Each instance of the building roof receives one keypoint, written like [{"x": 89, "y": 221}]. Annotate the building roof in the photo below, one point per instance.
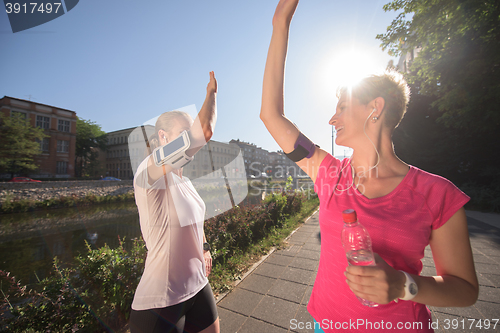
[{"x": 28, "y": 101}]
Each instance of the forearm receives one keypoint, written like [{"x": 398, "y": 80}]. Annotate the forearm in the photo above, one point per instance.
[
  {"x": 208, "y": 114},
  {"x": 272, "y": 112},
  {"x": 445, "y": 291},
  {"x": 274, "y": 74},
  {"x": 204, "y": 124}
]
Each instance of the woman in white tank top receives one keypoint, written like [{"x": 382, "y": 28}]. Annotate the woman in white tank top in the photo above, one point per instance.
[{"x": 173, "y": 294}]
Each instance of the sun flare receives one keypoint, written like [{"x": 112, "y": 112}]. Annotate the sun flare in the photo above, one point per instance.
[{"x": 346, "y": 66}]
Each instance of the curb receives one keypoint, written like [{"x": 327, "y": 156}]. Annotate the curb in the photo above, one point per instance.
[{"x": 262, "y": 259}]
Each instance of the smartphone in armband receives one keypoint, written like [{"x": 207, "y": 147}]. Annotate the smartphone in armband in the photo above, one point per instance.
[{"x": 174, "y": 153}]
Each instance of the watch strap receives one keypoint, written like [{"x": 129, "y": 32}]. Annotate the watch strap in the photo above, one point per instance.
[{"x": 411, "y": 288}]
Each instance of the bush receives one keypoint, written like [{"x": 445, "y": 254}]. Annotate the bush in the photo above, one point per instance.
[
  {"x": 93, "y": 296},
  {"x": 238, "y": 228}
]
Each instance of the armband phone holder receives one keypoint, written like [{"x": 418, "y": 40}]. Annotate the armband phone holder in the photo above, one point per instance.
[
  {"x": 303, "y": 148},
  {"x": 174, "y": 152}
]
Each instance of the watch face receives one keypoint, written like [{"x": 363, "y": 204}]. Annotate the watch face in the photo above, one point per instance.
[{"x": 413, "y": 288}]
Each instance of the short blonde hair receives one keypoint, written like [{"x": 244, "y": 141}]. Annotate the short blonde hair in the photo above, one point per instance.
[
  {"x": 391, "y": 86},
  {"x": 166, "y": 121}
]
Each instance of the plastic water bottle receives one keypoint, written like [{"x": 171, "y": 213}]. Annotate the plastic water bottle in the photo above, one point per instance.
[{"x": 357, "y": 245}]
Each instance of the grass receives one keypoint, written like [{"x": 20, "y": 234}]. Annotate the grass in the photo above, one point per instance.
[{"x": 223, "y": 276}]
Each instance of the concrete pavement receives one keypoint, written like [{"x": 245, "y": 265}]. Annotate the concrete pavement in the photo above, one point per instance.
[{"x": 275, "y": 292}]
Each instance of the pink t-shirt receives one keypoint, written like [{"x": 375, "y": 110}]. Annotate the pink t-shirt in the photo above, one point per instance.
[{"x": 400, "y": 225}]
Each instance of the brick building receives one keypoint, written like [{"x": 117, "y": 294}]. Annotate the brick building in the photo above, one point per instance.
[{"x": 57, "y": 157}]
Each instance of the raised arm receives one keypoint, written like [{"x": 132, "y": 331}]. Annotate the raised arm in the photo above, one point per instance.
[
  {"x": 200, "y": 132},
  {"x": 204, "y": 125},
  {"x": 272, "y": 112}
]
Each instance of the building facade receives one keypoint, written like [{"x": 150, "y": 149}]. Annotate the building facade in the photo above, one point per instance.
[
  {"x": 128, "y": 147},
  {"x": 256, "y": 159},
  {"x": 118, "y": 155},
  {"x": 57, "y": 150}
]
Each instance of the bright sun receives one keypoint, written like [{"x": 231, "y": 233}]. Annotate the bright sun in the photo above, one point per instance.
[{"x": 345, "y": 66}]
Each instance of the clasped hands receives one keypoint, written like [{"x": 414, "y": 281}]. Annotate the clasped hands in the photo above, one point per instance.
[{"x": 380, "y": 283}]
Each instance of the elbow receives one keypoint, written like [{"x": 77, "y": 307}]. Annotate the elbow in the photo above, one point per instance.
[
  {"x": 474, "y": 295},
  {"x": 470, "y": 298},
  {"x": 263, "y": 117},
  {"x": 208, "y": 133}
]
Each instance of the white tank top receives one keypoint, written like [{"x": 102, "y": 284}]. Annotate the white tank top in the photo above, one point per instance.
[{"x": 172, "y": 227}]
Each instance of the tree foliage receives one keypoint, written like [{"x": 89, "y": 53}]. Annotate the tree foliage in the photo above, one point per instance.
[
  {"x": 451, "y": 126},
  {"x": 459, "y": 61},
  {"x": 19, "y": 144},
  {"x": 89, "y": 139}
]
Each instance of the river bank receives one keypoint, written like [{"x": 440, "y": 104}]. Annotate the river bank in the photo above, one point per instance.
[{"x": 50, "y": 190}]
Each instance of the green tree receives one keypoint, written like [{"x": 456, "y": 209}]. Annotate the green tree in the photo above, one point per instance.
[
  {"x": 19, "y": 144},
  {"x": 89, "y": 139},
  {"x": 451, "y": 126},
  {"x": 459, "y": 61}
]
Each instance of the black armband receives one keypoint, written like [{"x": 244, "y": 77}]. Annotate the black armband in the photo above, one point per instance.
[{"x": 304, "y": 148}]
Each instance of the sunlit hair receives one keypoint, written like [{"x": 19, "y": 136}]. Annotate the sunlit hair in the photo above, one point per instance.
[
  {"x": 391, "y": 86},
  {"x": 166, "y": 121}
]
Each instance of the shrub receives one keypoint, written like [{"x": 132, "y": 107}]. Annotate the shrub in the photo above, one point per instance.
[{"x": 94, "y": 295}]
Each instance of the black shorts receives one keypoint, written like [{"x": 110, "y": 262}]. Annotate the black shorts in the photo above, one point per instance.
[{"x": 193, "y": 315}]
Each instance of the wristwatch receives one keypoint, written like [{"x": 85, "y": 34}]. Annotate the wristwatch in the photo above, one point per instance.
[
  {"x": 411, "y": 288},
  {"x": 206, "y": 247}
]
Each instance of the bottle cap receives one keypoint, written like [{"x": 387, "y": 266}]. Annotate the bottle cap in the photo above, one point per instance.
[{"x": 349, "y": 216}]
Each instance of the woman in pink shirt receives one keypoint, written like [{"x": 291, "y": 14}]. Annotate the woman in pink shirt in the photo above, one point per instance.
[{"x": 403, "y": 208}]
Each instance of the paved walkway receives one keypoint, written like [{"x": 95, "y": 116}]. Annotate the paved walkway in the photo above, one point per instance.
[{"x": 277, "y": 291}]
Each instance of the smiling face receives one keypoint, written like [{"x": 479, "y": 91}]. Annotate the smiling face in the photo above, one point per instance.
[{"x": 349, "y": 121}]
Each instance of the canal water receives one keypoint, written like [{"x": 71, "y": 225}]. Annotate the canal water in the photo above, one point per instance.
[{"x": 30, "y": 241}]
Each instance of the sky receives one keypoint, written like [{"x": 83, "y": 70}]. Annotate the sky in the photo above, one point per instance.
[{"x": 120, "y": 63}]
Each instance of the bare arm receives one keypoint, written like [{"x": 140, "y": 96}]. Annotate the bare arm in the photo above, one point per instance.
[
  {"x": 200, "y": 132},
  {"x": 208, "y": 257},
  {"x": 454, "y": 266},
  {"x": 272, "y": 113}
]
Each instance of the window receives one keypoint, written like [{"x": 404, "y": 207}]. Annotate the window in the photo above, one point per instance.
[
  {"x": 44, "y": 144},
  {"x": 63, "y": 125},
  {"x": 61, "y": 167},
  {"x": 43, "y": 122},
  {"x": 62, "y": 146}
]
